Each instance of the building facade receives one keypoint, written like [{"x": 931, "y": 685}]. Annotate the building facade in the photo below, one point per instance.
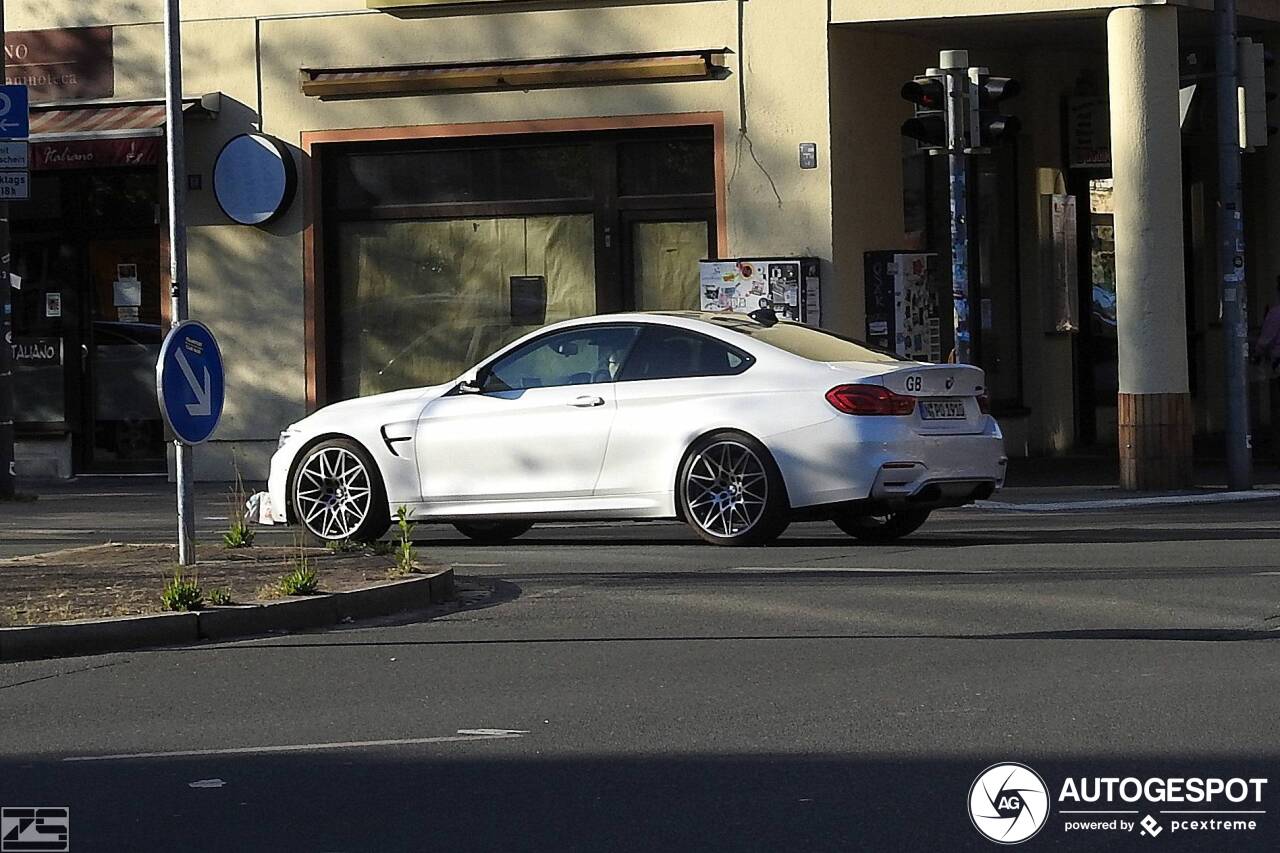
[{"x": 449, "y": 153}]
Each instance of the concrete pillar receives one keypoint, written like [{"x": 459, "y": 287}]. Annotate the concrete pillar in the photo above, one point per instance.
[{"x": 1146, "y": 159}]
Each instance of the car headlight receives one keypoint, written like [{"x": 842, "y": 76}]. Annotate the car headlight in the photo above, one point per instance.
[{"x": 286, "y": 436}]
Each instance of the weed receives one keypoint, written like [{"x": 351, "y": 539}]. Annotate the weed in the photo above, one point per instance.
[
  {"x": 181, "y": 592},
  {"x": 302, "y": 580},
  {"x": 220, "y": 596},
  {"x": 403, "y": 544},
  {"x": 239, "y": 534},
  {"x": 342, "y": 546}
]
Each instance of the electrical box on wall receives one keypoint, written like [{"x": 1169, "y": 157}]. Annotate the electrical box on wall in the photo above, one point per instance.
[{"x": 792, "y": 287}]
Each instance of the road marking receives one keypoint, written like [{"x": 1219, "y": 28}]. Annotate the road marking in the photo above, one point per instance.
[
  {"x": 861, "y": 570},
  {"x": 206, "y": 783},
  {"x": 495, "y": 734}
]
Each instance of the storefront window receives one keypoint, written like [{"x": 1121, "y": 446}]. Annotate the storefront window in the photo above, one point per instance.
[
  {"x": 420, "y": 301},
  {"x": 437, "y": 253},
  {"x": 665, "y": 167},
  {"x": 517, "y": 173}
]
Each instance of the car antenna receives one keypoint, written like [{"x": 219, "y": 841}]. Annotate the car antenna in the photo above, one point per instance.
[{"x": 764, "y": 316}]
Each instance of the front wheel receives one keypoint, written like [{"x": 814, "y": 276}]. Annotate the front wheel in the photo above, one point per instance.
[
  {"x": 338, "y": 494},
  {"x": 492, "y": 532},
  {"x": 731, "y": 492},
  {"x": 885, "y": 527}
]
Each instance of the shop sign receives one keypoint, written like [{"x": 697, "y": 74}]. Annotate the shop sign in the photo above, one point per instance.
[
  {"x": 59, "y": 65},
  {"x": 37, "y": 352},
  {"x": 1088, "y": 132},
  {"x": 96, "y": 153}
]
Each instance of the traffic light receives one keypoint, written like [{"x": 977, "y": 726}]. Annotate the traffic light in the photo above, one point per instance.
[
  {"x": 929, "y": 124},
  {"x": 989, "y": 126}
]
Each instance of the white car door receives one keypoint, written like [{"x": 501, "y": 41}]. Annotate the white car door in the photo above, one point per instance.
[{"x": 538, "y": 428}]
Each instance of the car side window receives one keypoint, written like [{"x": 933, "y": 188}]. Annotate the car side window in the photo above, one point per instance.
[
  {"x": 582, "y": 356},
  {"x": 664, "y": 352}
]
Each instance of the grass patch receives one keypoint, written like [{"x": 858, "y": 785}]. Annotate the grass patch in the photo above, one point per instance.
[
  {"x": 302, "y": 580},
  {"x": 220, "y": 597},
  {"x": 181, "y": 592},
  {"x": 239, "y": 534}
]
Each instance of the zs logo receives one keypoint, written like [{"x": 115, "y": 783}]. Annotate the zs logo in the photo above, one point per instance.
[
  {"x": 31, "y": 829},
  {"x": 915, "y": 382}
]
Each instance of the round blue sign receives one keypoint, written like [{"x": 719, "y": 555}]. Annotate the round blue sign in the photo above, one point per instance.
[{"x": 190, "y": 382}]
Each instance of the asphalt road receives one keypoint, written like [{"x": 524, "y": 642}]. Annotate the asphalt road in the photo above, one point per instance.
[{"x": 626, "y": 688}]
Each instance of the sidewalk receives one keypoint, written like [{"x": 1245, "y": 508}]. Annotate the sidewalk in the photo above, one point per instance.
[{"x": 1089, "y": 482}]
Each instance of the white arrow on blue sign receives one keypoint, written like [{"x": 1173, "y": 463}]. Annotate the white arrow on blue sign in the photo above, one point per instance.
[
  {"x": 15, "y": 119},
  {"x": 190, "y": 382}
]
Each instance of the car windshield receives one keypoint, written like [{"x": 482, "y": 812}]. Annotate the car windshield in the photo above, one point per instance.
[{"x": 805, "y": 341}]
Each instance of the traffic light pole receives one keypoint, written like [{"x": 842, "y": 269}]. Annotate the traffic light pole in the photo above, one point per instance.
[
  {"x": 1231, "y": 250},
  {"x": 955, "y": 65}
]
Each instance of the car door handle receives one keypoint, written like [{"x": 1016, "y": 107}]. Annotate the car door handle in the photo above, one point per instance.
[{"x": 587, "y": 402}]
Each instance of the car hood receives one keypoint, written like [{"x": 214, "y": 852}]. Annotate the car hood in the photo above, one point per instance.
[{"x": 383, "y": 408}]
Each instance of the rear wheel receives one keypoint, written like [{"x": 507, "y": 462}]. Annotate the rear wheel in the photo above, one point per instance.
[
  {"x": 338, "y": 494},
  {"x": 731, "y": 492},
  {"x": 492, "y": 532},
  {"x": 883, "y": 527}
]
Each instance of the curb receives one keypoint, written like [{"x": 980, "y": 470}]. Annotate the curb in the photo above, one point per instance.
[
  {"x": 1132, "y": 503},
  {"x": 97, "y": 636}
]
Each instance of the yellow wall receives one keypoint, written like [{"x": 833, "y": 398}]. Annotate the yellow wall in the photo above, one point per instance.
[{"x": 247, "y": 283}]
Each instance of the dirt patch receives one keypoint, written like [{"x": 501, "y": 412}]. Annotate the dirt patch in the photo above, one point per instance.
[{"x": 125, "y": 580}]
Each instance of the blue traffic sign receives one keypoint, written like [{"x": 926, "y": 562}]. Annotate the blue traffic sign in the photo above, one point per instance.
[
  {"x": 190, "y": 381},
  {"x": 15, "y": 119}
]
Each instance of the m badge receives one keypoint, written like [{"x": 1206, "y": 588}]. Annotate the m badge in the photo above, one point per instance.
[{"x": 28, "y": 829}]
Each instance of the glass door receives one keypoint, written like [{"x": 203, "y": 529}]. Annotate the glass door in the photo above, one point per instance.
[
  {"x": 122, "y": 334},
  {"x": 660, "y": 259}
]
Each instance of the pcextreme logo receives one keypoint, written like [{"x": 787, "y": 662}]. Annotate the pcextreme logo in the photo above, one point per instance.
[{"x": 1009, "y": 803}]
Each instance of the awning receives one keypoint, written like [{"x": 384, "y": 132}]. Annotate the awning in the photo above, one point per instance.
[
  {"x": 515, "y": 74},
  {"x": 96, "y": 120}
]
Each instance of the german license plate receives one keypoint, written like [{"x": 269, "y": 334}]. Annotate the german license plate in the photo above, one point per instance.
[{"x": 942, "y": 410}]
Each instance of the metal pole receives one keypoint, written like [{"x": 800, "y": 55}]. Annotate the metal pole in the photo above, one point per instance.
[
  {"x": 178, "y": 255},
  {"x": 7, "y": 472},
  {"x": 955, "y": 64},
  {"x": 1231, "y": 251}
]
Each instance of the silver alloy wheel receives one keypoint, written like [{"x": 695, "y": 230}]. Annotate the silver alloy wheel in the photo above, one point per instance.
[
  {"x": 333, "y": 493},
  {"x": 726, "y": 489}
]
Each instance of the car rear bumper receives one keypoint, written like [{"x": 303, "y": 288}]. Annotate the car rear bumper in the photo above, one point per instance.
[{"x": 883, "y": 461}]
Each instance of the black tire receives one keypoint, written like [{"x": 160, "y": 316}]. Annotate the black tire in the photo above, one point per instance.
[
  {"x": 755, "y": 516},
  {"x": 492, "y": 532},
  {"x": 349, "y": 516},
  {"x": 886, "y": 527}
]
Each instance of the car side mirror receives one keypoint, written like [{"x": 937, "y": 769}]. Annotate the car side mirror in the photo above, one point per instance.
[{"x": 477, "y": 384}]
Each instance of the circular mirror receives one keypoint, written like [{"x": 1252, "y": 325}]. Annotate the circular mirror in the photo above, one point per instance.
[{"x": 254, "y": 179}]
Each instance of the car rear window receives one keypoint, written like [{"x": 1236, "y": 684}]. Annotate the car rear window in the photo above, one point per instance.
[{"x": 806, "y": 342}]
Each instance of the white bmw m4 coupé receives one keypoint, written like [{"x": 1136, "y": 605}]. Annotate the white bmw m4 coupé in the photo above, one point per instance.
[{"x": 735, "y": 424}]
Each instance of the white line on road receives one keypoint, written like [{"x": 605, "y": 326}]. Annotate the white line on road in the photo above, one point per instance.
[
  {"x": 851, "y": 570},
  {"x": 462, "y": 736}
]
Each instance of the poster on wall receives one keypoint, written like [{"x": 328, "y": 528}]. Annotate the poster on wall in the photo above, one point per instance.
[
  {"x": 905, "y": 304},
  {"x": 789, "y": 286}
]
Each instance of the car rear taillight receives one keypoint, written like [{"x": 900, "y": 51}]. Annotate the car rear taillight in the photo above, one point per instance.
[
  {"x": 984, "y": 404},
  {"x": 870, "y": 400}
]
